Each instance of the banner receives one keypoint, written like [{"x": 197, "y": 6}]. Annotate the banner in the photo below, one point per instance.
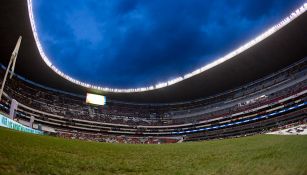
[{"x": 9, "y": 123}]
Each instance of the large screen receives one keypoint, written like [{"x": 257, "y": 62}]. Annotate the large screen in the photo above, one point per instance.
[{"x": 95, "y": 99}]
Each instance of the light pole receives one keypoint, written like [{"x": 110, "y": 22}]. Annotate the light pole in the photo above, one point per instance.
[{"x": 12, "y": 61}]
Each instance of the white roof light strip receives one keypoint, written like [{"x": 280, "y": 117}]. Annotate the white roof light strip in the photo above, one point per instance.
[{"x": 230, "y": 55}]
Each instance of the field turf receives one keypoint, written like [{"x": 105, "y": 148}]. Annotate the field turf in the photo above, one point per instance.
[{"x": 22, "y": 153}]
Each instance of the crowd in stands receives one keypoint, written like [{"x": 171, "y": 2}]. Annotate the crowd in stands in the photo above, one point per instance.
[
  {"x": 99, "y": 137},
  {"x": 75, "y": 107},
  {"x": 219, "y": 108}
]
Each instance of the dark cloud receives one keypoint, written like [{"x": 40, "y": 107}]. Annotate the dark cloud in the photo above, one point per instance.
[{"x": 130, "y": 43}]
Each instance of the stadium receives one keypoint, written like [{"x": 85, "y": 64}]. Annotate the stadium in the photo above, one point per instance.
[{"x": 242, "y": 113}]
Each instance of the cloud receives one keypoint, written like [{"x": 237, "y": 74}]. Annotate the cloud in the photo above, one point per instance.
[{"x": 129, "y": 43}]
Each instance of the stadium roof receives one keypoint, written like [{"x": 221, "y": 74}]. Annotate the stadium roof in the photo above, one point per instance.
[{"x": 280, "y": 49}]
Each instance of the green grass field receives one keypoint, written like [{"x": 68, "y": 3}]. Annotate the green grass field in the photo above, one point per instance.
[{"x": 22, "y": 153}]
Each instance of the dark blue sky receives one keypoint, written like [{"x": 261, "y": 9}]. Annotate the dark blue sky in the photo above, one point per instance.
[{"x": 133, "y": 43}]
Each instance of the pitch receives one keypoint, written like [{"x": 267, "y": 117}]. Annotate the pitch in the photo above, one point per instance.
[{"x": 22, "y": 153}]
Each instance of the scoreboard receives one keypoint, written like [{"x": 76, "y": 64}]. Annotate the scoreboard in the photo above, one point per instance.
[{"x": 95, "y": 99}]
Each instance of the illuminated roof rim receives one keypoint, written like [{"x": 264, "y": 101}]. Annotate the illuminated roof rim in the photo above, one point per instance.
[{"x": 218, "y": 61}]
